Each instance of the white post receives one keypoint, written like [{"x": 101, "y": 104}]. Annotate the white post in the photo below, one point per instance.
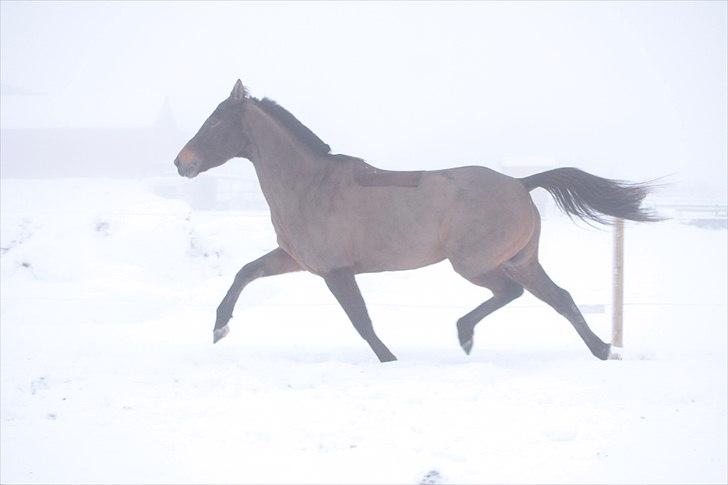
[{"x": 617, "y": 290}]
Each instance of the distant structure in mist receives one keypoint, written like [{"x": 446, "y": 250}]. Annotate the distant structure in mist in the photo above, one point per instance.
[
  {"x": 116, "y": 152},
  {"x": 144, "y": 152}
]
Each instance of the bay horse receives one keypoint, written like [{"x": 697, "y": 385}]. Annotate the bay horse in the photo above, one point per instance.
[{"x": 337, "y": 216}]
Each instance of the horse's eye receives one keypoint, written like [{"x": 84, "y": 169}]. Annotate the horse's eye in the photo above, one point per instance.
[{"x": 215, "y": 121}]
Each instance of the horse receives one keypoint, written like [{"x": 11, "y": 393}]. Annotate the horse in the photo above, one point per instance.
[{"x": 336, "y": 216}]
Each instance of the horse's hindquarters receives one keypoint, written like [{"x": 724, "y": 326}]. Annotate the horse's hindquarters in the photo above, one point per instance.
[{"x": 492, "y": 220}]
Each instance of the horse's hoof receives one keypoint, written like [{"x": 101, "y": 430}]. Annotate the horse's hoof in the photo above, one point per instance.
[
  {"x": 385, "y": 356},
  {"x": 615, "y": 353},
  {"x": 467, "y": 345},
  {"x": 465, "y": 336},
  {"x": 603, "y": 352},
  {"x": 219, "y": 333}
]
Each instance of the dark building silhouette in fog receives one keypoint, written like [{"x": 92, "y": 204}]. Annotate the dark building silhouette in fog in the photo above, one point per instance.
[{"x": 92, "y": 152}]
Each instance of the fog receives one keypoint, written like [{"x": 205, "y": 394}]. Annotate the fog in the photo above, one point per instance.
[
  {"x": 627, "y": 90},
  {"x": 112, "y": 266}
]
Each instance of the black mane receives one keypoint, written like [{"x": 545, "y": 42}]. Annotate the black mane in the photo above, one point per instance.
[{"x": 294, "y": 126}]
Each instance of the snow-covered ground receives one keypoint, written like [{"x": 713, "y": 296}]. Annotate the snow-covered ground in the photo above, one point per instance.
[{"x": 109, "y": 374}]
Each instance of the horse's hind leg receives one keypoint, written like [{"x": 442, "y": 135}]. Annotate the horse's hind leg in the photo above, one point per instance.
[
  {"x": 532, "y": 276},
  {"x": 504, "y": 289}
]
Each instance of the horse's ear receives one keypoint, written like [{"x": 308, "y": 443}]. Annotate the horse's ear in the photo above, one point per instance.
[{"x": 239, "y": 92}]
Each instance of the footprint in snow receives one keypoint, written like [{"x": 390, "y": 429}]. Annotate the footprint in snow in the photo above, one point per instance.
[
  {"x": 432, "y": 477},
  {"x": 38, "y": 384}
]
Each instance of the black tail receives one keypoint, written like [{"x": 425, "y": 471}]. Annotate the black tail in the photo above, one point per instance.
[{"x": 590, "y": 197}]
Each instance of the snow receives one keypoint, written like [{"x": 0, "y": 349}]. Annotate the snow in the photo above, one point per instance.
[{"x": 109, "y": 375}]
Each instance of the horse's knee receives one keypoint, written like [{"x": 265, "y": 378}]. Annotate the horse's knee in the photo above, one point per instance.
[
  {"x": 514, "y": 291},
  {"x": 248, "y": 272},
  {"x": 243, "y": 273},
  {"x": 508, "y": 291}
]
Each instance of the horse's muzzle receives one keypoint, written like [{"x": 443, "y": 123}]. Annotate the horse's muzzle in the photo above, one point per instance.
[
  {"x": 187, "y": 163},
  {"x": 188, "y": 171}
]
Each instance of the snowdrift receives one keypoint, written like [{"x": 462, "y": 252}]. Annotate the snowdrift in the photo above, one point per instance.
[{"x": 108, "y": 294}]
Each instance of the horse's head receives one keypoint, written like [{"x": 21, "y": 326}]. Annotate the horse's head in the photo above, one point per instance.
[{"x": 219, "y": 139}]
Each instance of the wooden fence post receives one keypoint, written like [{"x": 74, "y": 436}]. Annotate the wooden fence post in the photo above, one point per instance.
[{"x": 618, "y": 290}]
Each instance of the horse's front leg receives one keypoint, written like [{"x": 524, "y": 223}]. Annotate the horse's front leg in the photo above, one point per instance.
[
  {"x": 343, "y": 285},
  {"x": 275, "y": 262}
]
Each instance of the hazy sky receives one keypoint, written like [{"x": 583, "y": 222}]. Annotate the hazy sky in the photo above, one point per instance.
[{"x": 626, "y": 89}]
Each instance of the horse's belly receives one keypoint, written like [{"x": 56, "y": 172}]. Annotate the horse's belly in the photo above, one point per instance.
[
  {"x": 397, "y": 257},
  {"x": 397, "y": 230}
]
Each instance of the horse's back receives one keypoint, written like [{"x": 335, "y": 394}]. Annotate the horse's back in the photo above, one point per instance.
[{"x": 369, "y": 176}]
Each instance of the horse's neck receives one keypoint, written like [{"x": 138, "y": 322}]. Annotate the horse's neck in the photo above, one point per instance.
[{"x": 285, "y": 166}]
